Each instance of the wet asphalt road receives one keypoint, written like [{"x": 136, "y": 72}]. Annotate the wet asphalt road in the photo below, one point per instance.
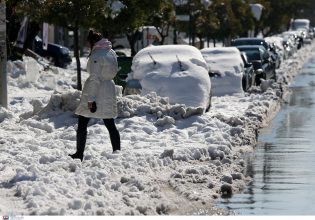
[{"x": 283, "y": 164}]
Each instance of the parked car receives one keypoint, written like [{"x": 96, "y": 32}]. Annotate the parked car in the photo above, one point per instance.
[
  {"x": 178, "y": 72},
  {"x": 275, "y": 57},
  {"x": 297, "y": 40},
  {"x": 250, "y": 41},
  {"x": 260, "y": 58},
  {"x": 275, "y": 54},
  {"x": 249, "y": 78},
  {"x": 276, "y": 41},
  {"x": 56, "y": 54},
  {"x": 290, "y": 43},
  {"x": 311, "y": 33},
  {"x": 226, "y": 70}
]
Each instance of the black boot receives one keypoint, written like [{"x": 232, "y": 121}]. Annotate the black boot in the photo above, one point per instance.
[
  {"x": 115, "y": 140},
  {"x": 113, "y": 133},
  {"x": 81, "y": 140},
  {"x": 76, "y": 156}
]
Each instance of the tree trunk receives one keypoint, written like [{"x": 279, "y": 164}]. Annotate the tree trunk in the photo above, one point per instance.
[
  {"x": 175, "y": 36},
  {"x": 77, "y": 57},
  {"x": 13, "y": 26},
  {"x": 3, "y": 61},
  {"x": 131, "y": 40},
  {"x": 32, "y": 30},
  {"x": 163, "y": 36},
  {"x": 201, "y": 44}
]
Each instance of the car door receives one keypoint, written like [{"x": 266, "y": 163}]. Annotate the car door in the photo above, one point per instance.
[{"x": 268, "y": 65}]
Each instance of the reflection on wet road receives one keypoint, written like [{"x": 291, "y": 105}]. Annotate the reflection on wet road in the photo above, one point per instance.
[{"x": 283, "y": 165}]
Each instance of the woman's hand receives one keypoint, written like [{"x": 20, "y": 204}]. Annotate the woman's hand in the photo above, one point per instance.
[{"x": 92, "y": 106}]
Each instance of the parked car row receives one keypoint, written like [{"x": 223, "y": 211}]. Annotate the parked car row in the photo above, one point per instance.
[
  {"x": 190, "y": 76},
  {"x": 261, "y": 54}
]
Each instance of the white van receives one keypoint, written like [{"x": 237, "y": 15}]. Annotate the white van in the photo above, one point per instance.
[
  {"x": 147, "y": 35},
  {"x": 298, "y": 24},
  {"x": 302, "y": 29}
]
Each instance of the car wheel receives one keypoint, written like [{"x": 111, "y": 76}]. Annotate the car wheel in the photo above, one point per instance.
[
  {"x": 274, "y": 76},
  {"x": 244, "y": 84},
  {"x": 257, "y": 80},
  {"x": 50, "y": 59},
  {"x": 210, "y": 98}
]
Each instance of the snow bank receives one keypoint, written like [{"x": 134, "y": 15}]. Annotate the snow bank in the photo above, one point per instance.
[
  {"x": 128, "y": 106},
  {"x": 133, "y": 105},
  {"x": 4, "y": 113}
]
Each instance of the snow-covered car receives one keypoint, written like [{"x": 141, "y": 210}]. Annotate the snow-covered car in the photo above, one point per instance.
[
  {"x": 178, "y": 72},
  {"x": 293, "y": 36},
  {"x": 278, "y": 46},
  {"x": 226, "y": 70}
]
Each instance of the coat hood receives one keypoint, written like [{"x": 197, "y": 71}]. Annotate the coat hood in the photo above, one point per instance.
[{"x": 103, "y": 44}]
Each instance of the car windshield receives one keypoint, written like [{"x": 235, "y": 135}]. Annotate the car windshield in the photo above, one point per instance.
[
  {"x": 252, "y": 55},
  {"x": 250, "y": 42},
  {"x": 300, "y": 24}
]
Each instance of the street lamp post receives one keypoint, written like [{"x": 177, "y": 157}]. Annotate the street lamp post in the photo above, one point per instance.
[{"x": 3, "y": 57}]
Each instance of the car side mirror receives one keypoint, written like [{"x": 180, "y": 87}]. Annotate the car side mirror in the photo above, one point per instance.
[
  {"x": 266, "y": 57},
  {"x": 247, "y": 65}
]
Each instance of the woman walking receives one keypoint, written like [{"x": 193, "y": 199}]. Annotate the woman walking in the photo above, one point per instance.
[{"x": 98, "y": 99}]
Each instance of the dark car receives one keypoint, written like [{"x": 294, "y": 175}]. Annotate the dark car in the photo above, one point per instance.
[
  {"x": 274, "y": 55},
  {"x": 250, "y": 41},
  {"x": 249, "y": 78},
  {"x": 260, "y": 58},
  {"x": 57, "y": 55}
]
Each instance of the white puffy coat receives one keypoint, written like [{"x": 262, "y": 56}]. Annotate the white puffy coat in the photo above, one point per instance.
[{"x": 100, "y": 87}]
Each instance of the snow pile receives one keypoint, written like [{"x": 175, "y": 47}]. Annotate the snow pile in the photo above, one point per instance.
[
  {"x": 175, "y": 71},
  {"x": 128, "y": 106},
  {"x": 30, "y": 74},
  {"x": 132, "y": 105},
  {"x": 4, "y": 114},
  {"x": 227, "y": 65},
  {"x": 169, "y": 164}
]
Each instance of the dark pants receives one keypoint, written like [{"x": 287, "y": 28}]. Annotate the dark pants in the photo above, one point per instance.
[{"x": 82, "y": 131}]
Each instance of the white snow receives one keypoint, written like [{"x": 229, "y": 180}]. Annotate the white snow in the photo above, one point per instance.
[
  {"x": 174, "y": 160},
  {"x": 228, "y": 64}
]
